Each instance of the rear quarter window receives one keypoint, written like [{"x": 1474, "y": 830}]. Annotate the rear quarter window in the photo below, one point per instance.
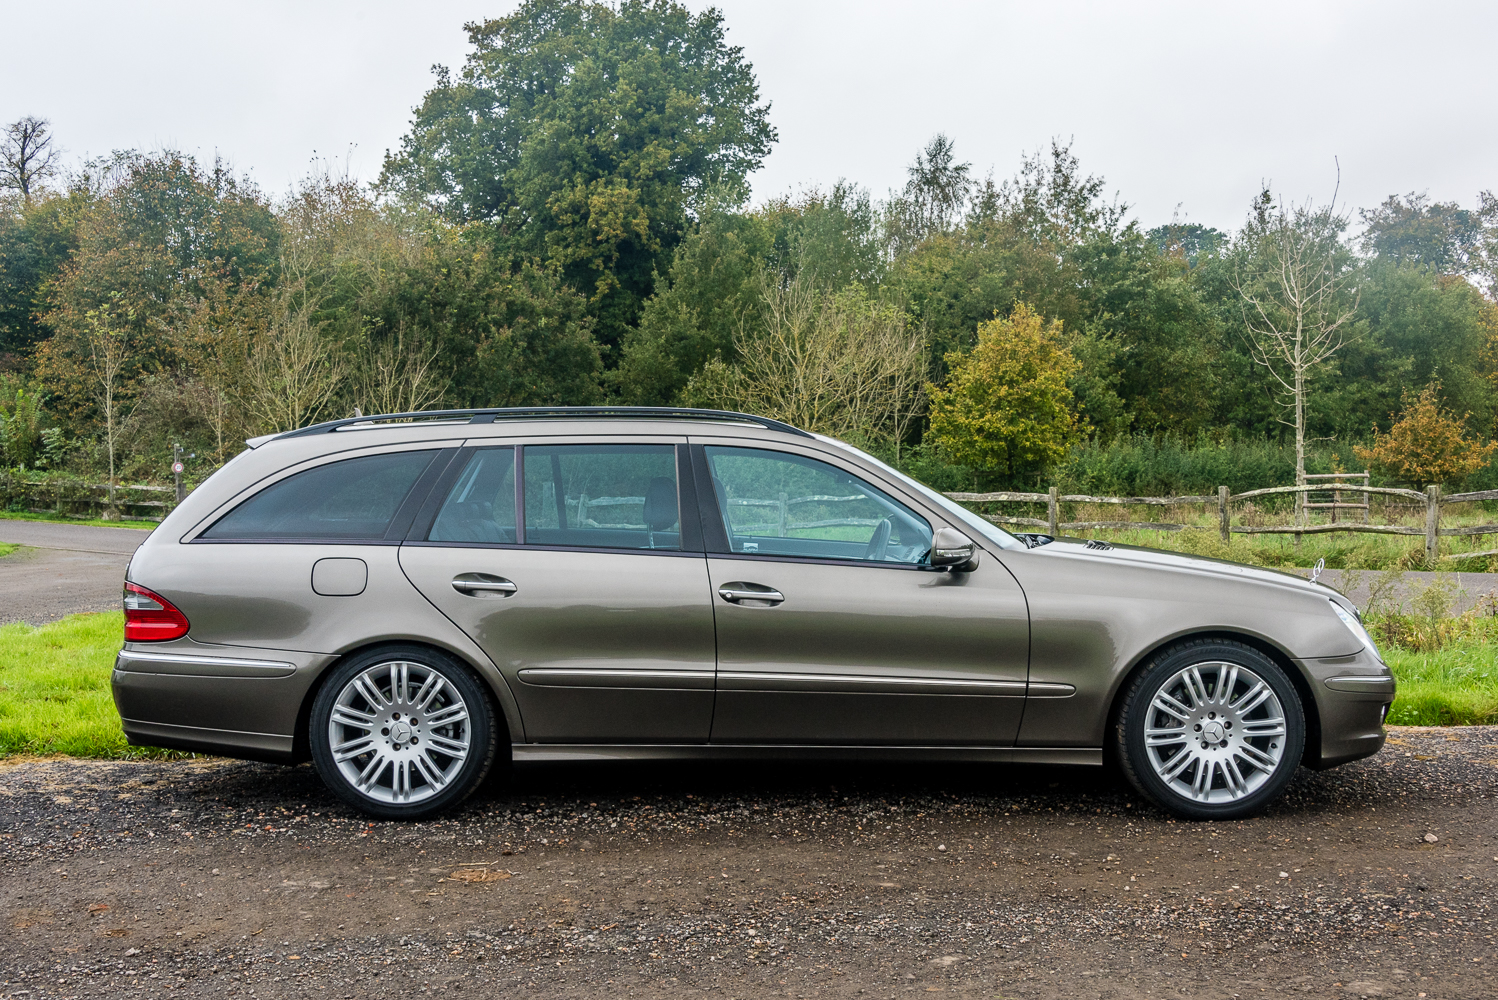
[{"x": 356, "y": 498}]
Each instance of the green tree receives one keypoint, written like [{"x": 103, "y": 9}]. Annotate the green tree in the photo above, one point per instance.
[
  {"x": 1007, "y": 406},
  {"x": 586, "y": 132},
  {"x": 1426, "y": 444}
]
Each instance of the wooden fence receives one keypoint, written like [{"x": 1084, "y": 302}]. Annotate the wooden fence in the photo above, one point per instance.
[{"x": 1432, "y": 499}]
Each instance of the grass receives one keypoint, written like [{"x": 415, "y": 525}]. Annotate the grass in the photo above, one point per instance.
[
  {"x": 54, "y": 689},
  {"x": 25, "y": 515},
  {"x": 6, "y": 548},
  {"x": 55, "y": 698},
  {"x": 1455, "y": 686}
]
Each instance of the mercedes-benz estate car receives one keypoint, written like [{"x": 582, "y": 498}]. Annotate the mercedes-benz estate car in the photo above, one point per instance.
[{"x": 407, "y": 600}]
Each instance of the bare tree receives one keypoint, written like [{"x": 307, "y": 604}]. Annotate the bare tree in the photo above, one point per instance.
[
  {"x": 27, "y": 156},
  {"x": 108, "y": 350},
  {"x": 840, "y": 363},
  {"x": 1298, "y": 300},
  {"x": 292, "y": 370},
  {"x": 396, "y": 374}
]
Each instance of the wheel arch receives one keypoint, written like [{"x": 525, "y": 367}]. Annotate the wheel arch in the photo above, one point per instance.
[
  {"x": 507, "y": 714},
  {"x": 1312, "y": 750}
]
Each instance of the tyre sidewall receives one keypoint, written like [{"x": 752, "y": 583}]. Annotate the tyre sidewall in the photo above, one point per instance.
[
  {"x": 1134, "y": 758},
  {"x": 480, "y": 714}
]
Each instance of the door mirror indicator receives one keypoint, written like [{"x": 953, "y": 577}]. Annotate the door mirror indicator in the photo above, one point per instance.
[{"x": 952, "y": 550}]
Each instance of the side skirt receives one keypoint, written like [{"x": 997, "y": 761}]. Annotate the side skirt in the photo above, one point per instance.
[{"x": 538, "y": 752}]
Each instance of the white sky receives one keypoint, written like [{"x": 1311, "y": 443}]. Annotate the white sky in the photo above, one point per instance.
[{"x": 1175, "y": 104}]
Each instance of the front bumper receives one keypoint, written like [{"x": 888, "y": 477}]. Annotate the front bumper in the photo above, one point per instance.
[{"x": 1353, "y": 695}]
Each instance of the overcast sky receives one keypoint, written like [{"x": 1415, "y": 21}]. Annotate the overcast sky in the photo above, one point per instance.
[{"x": 1182, "y": 107}]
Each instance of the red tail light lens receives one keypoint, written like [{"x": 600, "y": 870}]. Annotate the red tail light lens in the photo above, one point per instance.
[{"x": 149, "y": 617}]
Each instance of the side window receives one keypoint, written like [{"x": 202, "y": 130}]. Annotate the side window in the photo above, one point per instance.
[
  {"x": 616, "y": 496},
  {"x": 353, "y": 499},
  {"x": 775, "y": 503},
  {"x": 480, "y": 507}
]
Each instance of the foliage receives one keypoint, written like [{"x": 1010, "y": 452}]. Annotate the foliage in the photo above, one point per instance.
[
  {"x": 1426, "y": 444},
  {"x": 838, "y": 362},
  {"x": 20, "y": 423},
  {"x": 1006, "y": 407},
  {"x": 588, "y": 131}
]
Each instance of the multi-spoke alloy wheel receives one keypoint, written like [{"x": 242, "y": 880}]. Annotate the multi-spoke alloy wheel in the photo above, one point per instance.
[
  {"x": 402, "y": 733},
  {"x": 1211, "y": 730}
]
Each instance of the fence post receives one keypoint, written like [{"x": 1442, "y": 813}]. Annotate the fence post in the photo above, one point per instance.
[
  {"x": 782, "y": 517},
  {"x": 1051, "y": 514},
  {"x": 1222, "y": 511},
  {"x": 1432, "y": 522}
]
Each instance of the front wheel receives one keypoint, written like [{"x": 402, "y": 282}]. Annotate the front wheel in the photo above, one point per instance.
[
  {"x": 1211, "y": 729},
  {"x": 402, "y": 732}
]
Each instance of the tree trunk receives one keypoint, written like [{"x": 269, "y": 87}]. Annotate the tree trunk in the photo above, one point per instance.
[{"x": 1300, "y": 449}]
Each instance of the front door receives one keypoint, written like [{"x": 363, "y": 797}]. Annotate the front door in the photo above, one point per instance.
[
  {"x": 591, "y": 602},
  {"x": 830, "y": 632}
]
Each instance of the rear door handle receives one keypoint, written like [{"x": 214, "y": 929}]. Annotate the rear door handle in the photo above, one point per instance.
[
  {"x": 483, "y": 585},
  {"x": 754, "y": 594}
]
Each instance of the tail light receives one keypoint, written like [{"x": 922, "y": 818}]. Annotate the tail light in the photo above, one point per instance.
[{"x": 149, "y": 617}]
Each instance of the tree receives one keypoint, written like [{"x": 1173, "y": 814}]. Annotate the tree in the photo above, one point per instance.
[
  {"x": 1441, "y": 235},
  {"x": 1426, "y": 444},
  {"x": 838, "y": 362},
  {"x": 587, "y": 132},
  {"x": 108, "y": 350},
  {"x": 933, "y": 199},
  {"x": 27, "y": 156},
  {"x": 1006, "y": 406},
  {"x": 1298, "y": 298}
]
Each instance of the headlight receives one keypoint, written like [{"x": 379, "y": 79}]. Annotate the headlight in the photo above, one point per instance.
[{"x": 1354, "y": 626}]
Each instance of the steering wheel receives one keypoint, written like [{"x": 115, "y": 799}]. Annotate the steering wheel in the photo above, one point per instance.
[{"x": 879, "y": 542}]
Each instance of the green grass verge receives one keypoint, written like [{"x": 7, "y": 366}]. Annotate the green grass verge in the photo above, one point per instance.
[
  {"x": 6, "y": 549},
  {"x": 14, "y": 515},
  {"x": 55, "y": 699},
  {"x": 1454, "y": 686},
  {"x": 54, "y": 689}
]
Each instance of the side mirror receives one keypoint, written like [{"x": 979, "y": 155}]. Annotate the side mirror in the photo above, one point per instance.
[{"x": 951, "y": 549}]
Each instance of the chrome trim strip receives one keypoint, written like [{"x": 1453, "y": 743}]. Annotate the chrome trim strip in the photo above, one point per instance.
[
  {"x": 141, "y": 661},
  {"x": 545, "y": 752},
  {"x": 1362, "y": 683},
  {"x": 1048, "y": 689},
  {"x": 785, "y": 681},
  {"x": 621, "y": 677}
]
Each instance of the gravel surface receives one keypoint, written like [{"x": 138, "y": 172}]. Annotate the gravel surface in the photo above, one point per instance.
[
  {"x": 211, "y": 878},
  {"x": 65, "y": 569}
]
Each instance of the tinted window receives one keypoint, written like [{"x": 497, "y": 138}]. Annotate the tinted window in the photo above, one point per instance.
[
  {"x": 780, "y": 504},
  {"x": 602, "y": 496},
  {"x": 481, "y": 505},
  {"x": 355, "y": 498}
]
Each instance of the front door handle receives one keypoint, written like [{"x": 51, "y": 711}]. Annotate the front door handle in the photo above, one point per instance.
[
  {"x": 752, "y": 594},
  {"x": 483, "y": 585}
]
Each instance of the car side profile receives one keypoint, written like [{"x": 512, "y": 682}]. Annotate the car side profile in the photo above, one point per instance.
[{"x": 406, "y": 599}]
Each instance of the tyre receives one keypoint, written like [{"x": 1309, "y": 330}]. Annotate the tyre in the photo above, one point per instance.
[
  {"x": 402, "y": 732},
  {"x": 1211, "y": 729}
]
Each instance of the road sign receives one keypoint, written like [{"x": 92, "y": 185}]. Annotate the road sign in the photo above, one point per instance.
[{"x": 176, "y": 466}]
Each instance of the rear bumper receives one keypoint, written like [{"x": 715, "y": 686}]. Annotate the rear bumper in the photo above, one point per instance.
[{"x": 215, "y": 699}]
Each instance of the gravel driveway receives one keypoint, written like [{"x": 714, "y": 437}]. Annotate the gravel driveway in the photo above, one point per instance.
[
  {"x": 214, "y": 879},
  {"x": 65, "y": 569}
]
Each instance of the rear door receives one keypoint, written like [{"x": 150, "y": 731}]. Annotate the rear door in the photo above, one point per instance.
[
  {"x": 829, "y": 629},
  {"x": 569, "y": 563}
]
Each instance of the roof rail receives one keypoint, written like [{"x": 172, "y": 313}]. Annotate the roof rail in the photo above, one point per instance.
[{"x": 490, "y": 415}]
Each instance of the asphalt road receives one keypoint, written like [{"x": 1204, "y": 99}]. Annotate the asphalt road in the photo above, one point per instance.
[
  {"x": 64, "y": 569},
  {"x": 216, "y": 879}
]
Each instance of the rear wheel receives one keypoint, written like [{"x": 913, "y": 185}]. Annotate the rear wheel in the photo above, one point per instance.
[
  {"x": 1211, "y": 729},
  {"x": 402, "y": 732}
]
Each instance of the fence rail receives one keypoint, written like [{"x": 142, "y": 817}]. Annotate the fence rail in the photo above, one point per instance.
[{"x": 1432, "y": 500}]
